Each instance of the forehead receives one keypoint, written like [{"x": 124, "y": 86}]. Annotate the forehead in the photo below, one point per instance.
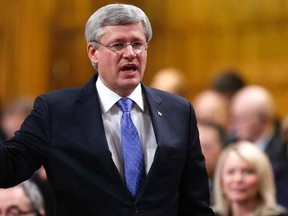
[
  {"x": 207, "y": 133},
  {"x": 13, "y": 196},
  {"x": 235, "y": 160},
  {"x": 127, "y": 31}
]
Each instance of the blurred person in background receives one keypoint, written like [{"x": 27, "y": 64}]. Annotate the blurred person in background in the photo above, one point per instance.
[
  {"x": 228, "y": 82},
  {"x": 1, "y": 130},
  {"x": 14, "y": 114},
  {"x": 244, "y": 183},
  {"x": 23, "y": 199},
  {"x": 212, "y": 142},
  {"x": 254, "y": 119},
  {"x": 281, "y": 174},
  {"x": 284, "y": 129},
  {"x": 211, "y": 106},
  {"x": 169, "y": 79}
]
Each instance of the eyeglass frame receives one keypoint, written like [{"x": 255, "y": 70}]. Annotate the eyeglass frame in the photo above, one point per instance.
[{"x": 124, "y": 46}]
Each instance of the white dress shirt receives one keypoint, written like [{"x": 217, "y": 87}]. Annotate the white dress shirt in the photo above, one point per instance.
[
  {"x": 111, "y": 115},
  {"x": 263, "y": 141}
]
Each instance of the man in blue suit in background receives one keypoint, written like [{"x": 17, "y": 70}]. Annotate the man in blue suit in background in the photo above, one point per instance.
[{"x": 76, "y": 133}]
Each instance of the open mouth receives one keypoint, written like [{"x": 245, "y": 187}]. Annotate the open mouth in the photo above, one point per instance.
[{"x": 129, "y": 68}]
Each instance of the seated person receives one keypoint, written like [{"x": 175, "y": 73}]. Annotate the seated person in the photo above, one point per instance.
[
  {"x": 254, "y": 119},
  {"x": 169, "y": 79},
  {"x": 244, "y": 183},
  {"x": 212, "y": 141},
  {"x": 284, "y": 129},
  {"x": 13, "y": 114},
  {"x": 211, "y": 106},
  {"x": 23, "y": 199},
  {"x": 228, "y": 82}
]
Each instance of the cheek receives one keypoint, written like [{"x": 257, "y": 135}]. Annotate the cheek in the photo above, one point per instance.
[
  {"x": 253, "y": 182},
  {"x": 245, "y": 125},
  {"x": 143, "y": 60},
  {"x": 105, "y": 60},
  {"x": 224, "y": 181},
  {"x": 107, "y": 66},
  {"x": 254, "y": 187}
]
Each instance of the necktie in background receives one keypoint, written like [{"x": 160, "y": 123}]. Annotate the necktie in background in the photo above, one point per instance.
[{"x": 134, "y": 168}]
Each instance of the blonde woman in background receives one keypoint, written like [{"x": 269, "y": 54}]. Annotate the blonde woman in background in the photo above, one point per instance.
[{"x": 244, "y": 183}]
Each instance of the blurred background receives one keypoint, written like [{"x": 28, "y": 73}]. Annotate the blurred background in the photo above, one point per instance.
[{"x": 43, "y": 46}]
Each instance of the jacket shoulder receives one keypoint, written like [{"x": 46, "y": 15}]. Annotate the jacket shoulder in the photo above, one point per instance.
[
  {"x": 164, "y": 96},
  {"x": 61, "y": 93}
]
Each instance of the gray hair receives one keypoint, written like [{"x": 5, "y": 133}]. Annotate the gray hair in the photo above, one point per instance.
[
  {"x": 112, "y": 15},
  {"x": 34, "y": 195}
]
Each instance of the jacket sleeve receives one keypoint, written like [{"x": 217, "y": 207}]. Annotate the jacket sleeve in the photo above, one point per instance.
[{"x": 194, "y": 197}]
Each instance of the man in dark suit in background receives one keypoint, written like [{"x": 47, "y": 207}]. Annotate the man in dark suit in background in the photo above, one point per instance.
[
  {"x": 77, "y": 136},
  {"x": 23, "y": 199},
  {"x": 254, "y": 119}
]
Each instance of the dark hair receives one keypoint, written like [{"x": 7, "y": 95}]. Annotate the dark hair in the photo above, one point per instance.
[
  {"x": 220, "y": 130},
  {"x": 228, "y": 81}
]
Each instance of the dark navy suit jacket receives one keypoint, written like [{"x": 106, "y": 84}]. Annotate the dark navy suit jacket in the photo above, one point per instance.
[{"x": 65, "y": 133}]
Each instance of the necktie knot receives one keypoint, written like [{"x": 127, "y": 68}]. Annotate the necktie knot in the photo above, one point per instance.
[{"x": 125, "y": 104}]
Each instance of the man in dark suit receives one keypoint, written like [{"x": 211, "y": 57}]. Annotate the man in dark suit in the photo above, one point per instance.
[
  {"x": 76, "y": 133},
  {"x": 254, "y": 119}
]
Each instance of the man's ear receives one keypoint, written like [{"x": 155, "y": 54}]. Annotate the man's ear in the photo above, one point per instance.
[{"x": 92, "y": 53}]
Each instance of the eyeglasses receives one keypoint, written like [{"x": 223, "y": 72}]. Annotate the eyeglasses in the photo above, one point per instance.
[
  {"x": 16, "y": 211},
  {"x": 119, "y": 48}
]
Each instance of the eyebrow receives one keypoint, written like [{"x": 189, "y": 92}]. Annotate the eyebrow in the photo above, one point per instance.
[{"x": 13, "y": 206}]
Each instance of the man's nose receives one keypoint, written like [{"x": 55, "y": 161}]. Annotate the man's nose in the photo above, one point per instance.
[{"x": 128, "y": 51}]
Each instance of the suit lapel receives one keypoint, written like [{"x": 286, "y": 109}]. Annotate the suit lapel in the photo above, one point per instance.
[
  {"x": 158, "y": 115},
  {"x": 88, "y": 111}
]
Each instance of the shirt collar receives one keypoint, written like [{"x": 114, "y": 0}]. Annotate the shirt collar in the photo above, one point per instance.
[
  {"x": 108, "y": 98},
  {"x": 263, "y": 141}
]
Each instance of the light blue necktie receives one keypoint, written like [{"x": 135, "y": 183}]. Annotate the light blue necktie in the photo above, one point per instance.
[{"x": 134, "y": 168}]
